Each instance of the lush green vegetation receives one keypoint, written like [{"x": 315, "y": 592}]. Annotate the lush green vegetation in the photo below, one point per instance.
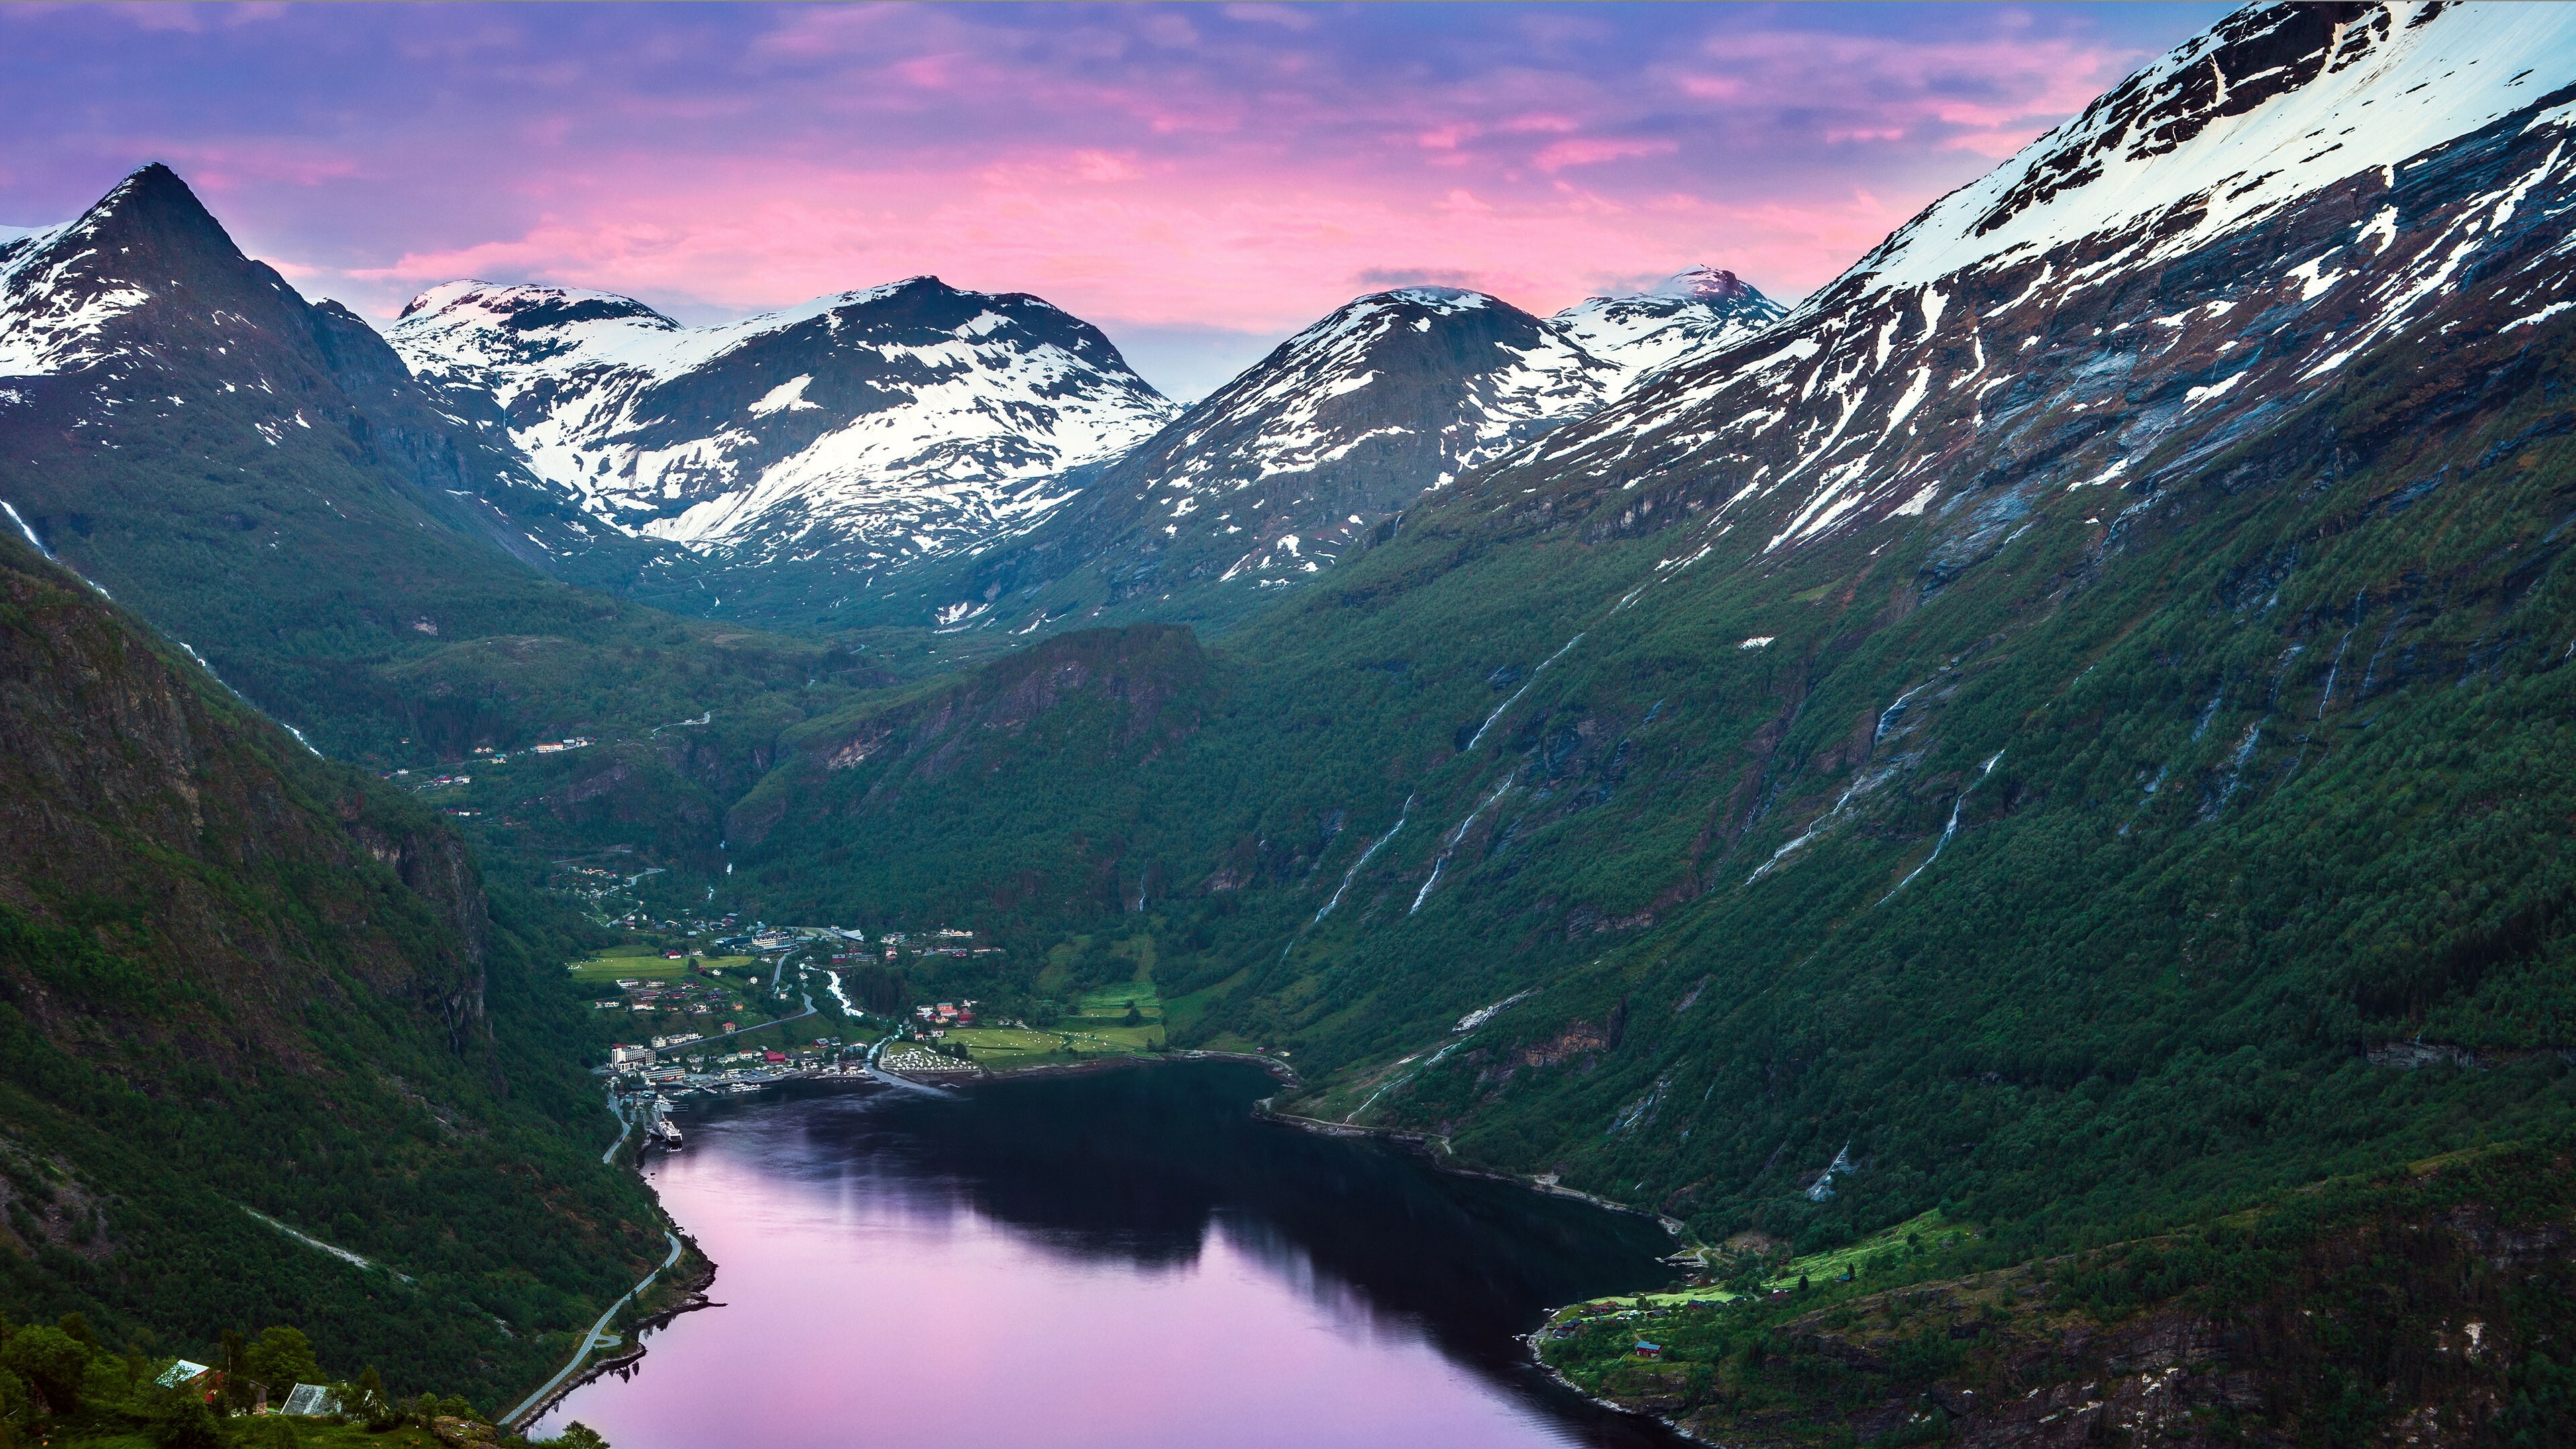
[
  {"x": 60, "y": 1384},
  {"x": 2078, "y": 893},
  {"x": 247, "y": 994},
  {"x": 2438, "y": 1289}
]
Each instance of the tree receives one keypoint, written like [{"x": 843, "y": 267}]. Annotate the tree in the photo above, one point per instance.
[
  {"x": 182, "y": 1420},
  {"x": 281, "y": 1358},
  {"x": 50, "y": 1360},
  {"x": 578, "y": 1435},
  {"x": 237, "y": 1376},
  {"x": 371, "y": 1405}
]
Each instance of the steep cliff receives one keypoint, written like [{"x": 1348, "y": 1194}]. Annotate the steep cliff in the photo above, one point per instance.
[{"x": 235, "y": 977}]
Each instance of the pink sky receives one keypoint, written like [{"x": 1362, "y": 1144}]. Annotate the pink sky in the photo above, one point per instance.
[{"x": 1198, "y": 180}]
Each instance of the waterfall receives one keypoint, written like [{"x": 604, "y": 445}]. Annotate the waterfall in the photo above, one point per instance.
[
  {"x": 1479, "y": 737},
  {"x": 1353, "y": 873},
  {"x": 1449, "y": 842},
  {"x": 1946, "y": 831}
]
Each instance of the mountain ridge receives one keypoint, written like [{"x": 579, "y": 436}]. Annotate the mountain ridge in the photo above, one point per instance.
[{"x": 937, "y": 415}]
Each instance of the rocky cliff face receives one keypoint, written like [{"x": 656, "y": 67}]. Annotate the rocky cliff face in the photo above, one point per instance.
[
  {"x": 249, "y": 878},
  {"x": 236, "y": 976}
]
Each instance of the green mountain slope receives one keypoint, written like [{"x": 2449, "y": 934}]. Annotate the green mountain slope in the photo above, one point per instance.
[
  {"x": 237, "y": 980},
  {"x": 262, "y": 479},
  {"x": 1818, "y": 761}
]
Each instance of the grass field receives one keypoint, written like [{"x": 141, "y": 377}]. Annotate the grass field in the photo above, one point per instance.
[
  {"x": 1070, "y": 1040},
  {"x": 1924, "y": 1231},
  {"x": 654, "y": 967},
  {"x": 1007, "y": 1046},
  {"x": 1095, "y": 1038},
  {"x": 1110, "y": 1003}
]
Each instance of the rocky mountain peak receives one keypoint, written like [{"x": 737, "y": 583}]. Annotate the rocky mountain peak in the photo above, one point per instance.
[
  {"x": 1704, "y": 284},
  {"x": 63, "y": 288},
  {"x": 526, "y": 308},
  {"x": 1277, "y": 474},
  {"x": 871, "y": 425},
  {"x": 1687, "y": 314},
  {"x": 153, "y": 208}
]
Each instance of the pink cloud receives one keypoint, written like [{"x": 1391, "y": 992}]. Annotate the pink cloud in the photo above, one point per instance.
[{"x": 1592, "y": 152}]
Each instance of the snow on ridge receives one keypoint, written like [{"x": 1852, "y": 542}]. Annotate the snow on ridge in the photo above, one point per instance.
[
  {"x": 1690, "y": 313},
  {"x": 1878, "y": 382},
  {"x": 2428, "y": 74},
  {"x": 1281, "y": 399},
  {"x": 897, "y": 446},
  {"x": 47, "y": 325}
]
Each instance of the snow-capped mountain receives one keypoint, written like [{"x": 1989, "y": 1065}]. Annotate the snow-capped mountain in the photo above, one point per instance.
[
  {"x": 2228, "y": 234},
  {"x": 143, "y": 312},
  {"x": 1690, "y": 313},
  {"x": 1272, "y": 477},
  {"x": 256, "y": 474},
  {"x": 873, "y": 426}
]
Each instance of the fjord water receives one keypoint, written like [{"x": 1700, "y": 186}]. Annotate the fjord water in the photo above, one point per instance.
[{"x": 1126, "y": 1259}]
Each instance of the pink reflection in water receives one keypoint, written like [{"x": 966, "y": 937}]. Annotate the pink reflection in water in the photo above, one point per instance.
[{"x": 868, "y": 1307}]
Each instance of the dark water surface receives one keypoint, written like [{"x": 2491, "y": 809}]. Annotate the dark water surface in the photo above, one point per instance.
[{"x": 1126, "y": 1260}]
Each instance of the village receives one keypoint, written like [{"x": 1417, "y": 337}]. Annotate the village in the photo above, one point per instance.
[{"x": 701, "y": 990}]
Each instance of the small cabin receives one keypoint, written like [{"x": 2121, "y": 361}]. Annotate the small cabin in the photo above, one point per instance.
[
  {"x": 181, "y": 1374},
  {"x": 1649, "y": 1350},
  {"x": 306, "y": 1400}
]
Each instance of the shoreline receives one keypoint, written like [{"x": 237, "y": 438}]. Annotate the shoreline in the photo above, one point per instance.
[
  {"x": 628, "y": 1354},
  {"x": 575, "y": 1373},
  {"x": 1433, "y": 1148},
  {"x": 1529, "y": 1341}
]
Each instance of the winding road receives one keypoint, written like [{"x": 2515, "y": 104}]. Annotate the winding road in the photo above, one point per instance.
[{"x": 591, "y": 1340}]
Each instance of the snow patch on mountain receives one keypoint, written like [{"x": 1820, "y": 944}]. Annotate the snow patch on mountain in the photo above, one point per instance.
[
  {"x": 1277, "y": 418},
  {"x": 50, "y": 312},
  {"x": 1687, "y": 314},
  {"x": 896, "y": 421},
  {"x": 2231, "y": 127}
]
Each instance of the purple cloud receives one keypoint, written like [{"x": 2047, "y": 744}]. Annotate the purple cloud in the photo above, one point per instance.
[{"x": 1168, "y": 171}]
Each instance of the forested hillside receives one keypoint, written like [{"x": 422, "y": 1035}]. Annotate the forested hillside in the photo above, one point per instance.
[{"x": 244, "y": 990}]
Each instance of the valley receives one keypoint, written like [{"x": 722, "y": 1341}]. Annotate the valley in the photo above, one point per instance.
[{"x": 2011, "y": 810}]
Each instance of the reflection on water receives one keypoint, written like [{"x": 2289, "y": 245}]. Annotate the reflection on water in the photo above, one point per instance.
[{"x": 1122, "y": 1259}]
